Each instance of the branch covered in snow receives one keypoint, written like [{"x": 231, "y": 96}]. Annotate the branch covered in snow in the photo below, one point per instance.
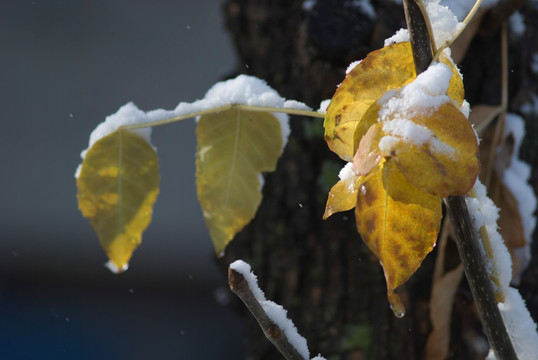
[{"x": 273, "y": 320}]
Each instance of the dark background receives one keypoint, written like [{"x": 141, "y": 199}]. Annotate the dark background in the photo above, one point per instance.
[{"x": 64, "y": 66}]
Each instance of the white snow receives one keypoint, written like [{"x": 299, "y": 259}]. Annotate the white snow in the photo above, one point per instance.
[
  {"x": 517, "y": 24},
  {"x": 520, "y": 326},
  {"x": 275, "y": 312},
  {"x": 246, "y": 90},
  {"x": 352, "y": 66},
  {"x": 113, "y": 268},
  {"x": 408, "y": 131},
  {"x": 444, "y": 24},
  {"x": 484, "y": 213},
  {"x": 128, "y": 114},
  {"x": 421, "y": 97},
  {"x": 400, "y": 36},
  {"x": 516, "y": 178},
  {"x": 347, "y": 172},
  {"x": 324, "y": 105},
  {"x": 446, "y": 18}
]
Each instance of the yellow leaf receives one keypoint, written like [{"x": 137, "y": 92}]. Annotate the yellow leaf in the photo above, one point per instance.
[
  {"x": 382, "y": 70},
  {"x": 447, "y": 164},
  {"x": 234, "y": 147},
  {"x": 455, "y": 86},
  {"x": 398, "y": 222},
  {"x": 117, "y": 186},
  {"x": 343, "y": 196}
]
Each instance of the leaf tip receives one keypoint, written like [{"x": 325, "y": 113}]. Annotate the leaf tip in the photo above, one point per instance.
[
  {"x": 396, "y": 304},
  {"x": 328, "y": 212},
  {"x": 115, "y": 269}
]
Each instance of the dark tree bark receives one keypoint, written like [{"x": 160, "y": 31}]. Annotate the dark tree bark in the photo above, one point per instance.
[{"x": 320, "y": 271}]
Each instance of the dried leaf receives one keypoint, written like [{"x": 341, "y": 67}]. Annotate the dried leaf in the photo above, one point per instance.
[
  {"x": 234, "y": 147},
  {"x": 117, "y": 187},
  {"x": 441, "y": 303},
  {"x": 482, "y": 116},
  {"x": 398, "y": 222}
]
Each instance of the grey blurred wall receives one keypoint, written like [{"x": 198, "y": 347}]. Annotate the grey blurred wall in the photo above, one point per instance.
[{"x": 64, "y": 66}]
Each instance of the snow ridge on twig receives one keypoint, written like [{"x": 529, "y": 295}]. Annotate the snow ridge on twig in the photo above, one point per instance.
[{"x": 274, "y": 312}]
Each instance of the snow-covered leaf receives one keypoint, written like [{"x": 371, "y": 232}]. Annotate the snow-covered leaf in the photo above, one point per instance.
[
  {"x": 382, "y": 70},
  {"x": 444, "y": 159},
  {"x": 117, "y": 186},
  {"x": 234, "y": 148}
]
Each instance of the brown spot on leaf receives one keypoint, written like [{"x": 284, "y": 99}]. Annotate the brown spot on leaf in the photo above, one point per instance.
[
  {"x": 370, "y": 197},
  {"x": 337, "y": 119}
]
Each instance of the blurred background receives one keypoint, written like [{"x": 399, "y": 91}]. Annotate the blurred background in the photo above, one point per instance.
[{"x": 64, "y": 66}]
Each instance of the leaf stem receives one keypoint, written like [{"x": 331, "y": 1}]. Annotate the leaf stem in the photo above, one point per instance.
[
  {"x": 467, "y": 240},
  {"x": 289, "y": 111},
  {"x": 466, "y": 21},
  {"x": 239, "y": 285}
]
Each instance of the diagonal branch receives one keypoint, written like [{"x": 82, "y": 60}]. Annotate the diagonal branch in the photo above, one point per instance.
[
  {"x": 466, "y": 238},
  {"x": 239, "y": 285}
]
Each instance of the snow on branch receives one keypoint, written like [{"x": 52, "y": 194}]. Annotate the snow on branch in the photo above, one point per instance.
[{"x": 273, "y": 319}]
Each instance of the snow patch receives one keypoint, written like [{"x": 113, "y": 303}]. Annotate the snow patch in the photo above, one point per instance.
[
  {"x": 114, "y": 269},
  {"x": 347, "y": 172},
  {"x": 520, "y": 326},
  {"x": 352, "y": 66},
  {"x": 246, "y": 90},
  {"x": 324, "y": 105},
  {"x": 516, "y": 178},
  {"x": 422, "y": 96},
  {"x": 401, "y": 35}
]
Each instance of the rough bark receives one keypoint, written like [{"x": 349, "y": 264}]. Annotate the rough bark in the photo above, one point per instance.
[{"x": 331, "y": 284}]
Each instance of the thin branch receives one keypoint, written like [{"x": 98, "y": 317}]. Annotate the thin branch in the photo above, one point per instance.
[
  {"x": 288, "y": 111},
  {"x": 466, "y": 22},
  {"x": 239, "y": 285},
  {"x": 466, "y": 239}
]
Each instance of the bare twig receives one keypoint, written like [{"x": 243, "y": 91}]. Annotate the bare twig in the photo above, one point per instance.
[
  {"x": 239, "y": 285},
  {"x": 466, "y": 237}
]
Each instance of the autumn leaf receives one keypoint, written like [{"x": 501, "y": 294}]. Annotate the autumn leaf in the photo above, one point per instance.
[
  {"x": 446, "y": 162},
  {"x": 343, "y": 196},
  {"x": 398, "y": 222},
  {"x": 382, "y": 70},
  {"x": 117, "y": 186},
  {"x": 234, "y": 148}
]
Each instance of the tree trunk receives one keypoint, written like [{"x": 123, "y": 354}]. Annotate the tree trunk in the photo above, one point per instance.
[{"x": 320, "y": 271}]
